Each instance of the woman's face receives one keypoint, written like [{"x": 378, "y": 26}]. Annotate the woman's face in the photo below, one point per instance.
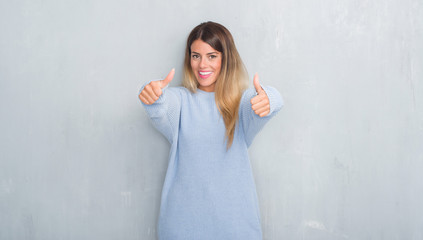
[{"x": 205, "y": 63}]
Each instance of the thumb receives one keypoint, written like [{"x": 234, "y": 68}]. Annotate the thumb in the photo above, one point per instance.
[
  {"x": 257, "y": 84},
  {"x": 168, "y": 78}
]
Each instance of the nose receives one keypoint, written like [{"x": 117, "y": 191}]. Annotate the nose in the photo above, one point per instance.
[{"x": 203, "y": 63}]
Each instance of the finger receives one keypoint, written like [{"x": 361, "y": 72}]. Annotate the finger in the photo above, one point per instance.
[
  {"x": 156, "y": 89},
  {"x": 264, "y": 113},
  {"x": 144, "y": 100},
  {"x": 146, "y": 93},
  {"x": 260, "y": 99},
  {"x": 262, "y": 110},
  {"x": 257, "y": 84},
  {"x": 260, "y": 105},
  {"x": 147, "y": 98},
  {"x": 168, "y": 78},
  {"x": 257, "y": 99},
  {"x": 149, "y": 89}
]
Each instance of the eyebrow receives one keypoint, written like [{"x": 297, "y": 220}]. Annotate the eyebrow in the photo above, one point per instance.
[{"x": 207, "y": 53}]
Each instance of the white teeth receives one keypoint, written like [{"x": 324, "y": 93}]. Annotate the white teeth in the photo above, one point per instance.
[{"x": 205, "y": 73}]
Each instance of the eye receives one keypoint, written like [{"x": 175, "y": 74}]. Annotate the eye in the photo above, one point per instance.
[
  {"x": 212, "y": 56},
  {"x": 195, "y": 56}
]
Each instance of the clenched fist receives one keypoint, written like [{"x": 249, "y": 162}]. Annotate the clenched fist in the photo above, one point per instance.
[
  {"x": 260, "y": 103},
  {"x": 153, "y": 90}
]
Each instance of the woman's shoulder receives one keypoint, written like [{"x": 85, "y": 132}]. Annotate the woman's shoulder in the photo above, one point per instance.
[
  {"x": 178, "y": 89},
  {"x": 183, "y": 91}
]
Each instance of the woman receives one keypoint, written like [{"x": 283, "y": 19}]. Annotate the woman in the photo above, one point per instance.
[{"x": 209, "y": 190}]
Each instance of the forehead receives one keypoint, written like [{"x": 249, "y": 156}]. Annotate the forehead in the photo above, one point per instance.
[{"x": 200, "y": 46}]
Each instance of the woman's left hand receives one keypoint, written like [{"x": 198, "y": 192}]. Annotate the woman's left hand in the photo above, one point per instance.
[{"x": 260, "y": 103}]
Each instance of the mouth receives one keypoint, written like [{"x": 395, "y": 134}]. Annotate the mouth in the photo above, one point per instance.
[{"x": 204, "y": 75}]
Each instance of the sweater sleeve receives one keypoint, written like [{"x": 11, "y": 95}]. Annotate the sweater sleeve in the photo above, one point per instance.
[
  {"x": 165, "y": 112},
  {"x": 251, "y": 122}
]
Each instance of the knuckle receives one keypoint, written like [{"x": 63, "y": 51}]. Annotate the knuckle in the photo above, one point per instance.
[{"x": 155, "y": 85}]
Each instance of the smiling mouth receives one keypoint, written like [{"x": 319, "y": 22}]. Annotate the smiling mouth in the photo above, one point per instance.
[{"x": 204, "y": 74}]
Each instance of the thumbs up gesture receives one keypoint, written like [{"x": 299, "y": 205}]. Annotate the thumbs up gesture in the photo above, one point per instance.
[
  {"x": 153, "y": 90},
  {"x": 260, "y": 103}
]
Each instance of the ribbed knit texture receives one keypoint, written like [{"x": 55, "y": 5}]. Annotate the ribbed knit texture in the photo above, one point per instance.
[{"x": 209, "y": 191}]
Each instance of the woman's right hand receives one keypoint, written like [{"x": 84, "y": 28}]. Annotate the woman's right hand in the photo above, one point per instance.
[{"x": 153, "y": 90}]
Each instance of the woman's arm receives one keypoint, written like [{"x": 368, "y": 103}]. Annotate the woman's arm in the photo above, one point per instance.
[
  {"x": 162, "y": 105},
  {"x": 257, "y": 107}
]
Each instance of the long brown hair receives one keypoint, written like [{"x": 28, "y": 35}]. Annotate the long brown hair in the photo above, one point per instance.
[{"x": 233, "y": 77}]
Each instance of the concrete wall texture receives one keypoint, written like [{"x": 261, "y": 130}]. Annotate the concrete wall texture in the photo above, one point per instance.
[{"x": 79, "y": 158}]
